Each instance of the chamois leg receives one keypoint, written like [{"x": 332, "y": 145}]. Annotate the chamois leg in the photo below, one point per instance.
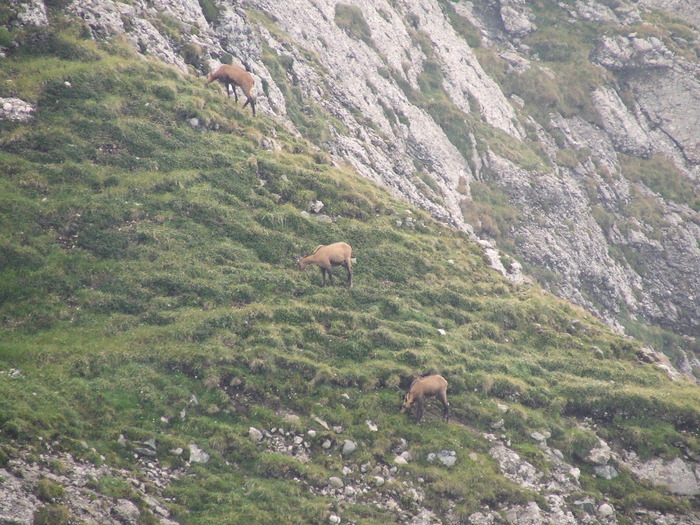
[
  {"x": 348, "y": 266},
  {"x": 445, "y": 408},
  {"x": 330, "y": 275},
  {"x": 251, "y": 101},
  {"x": 323, "y": 277},
  {"x": 419, "y": 411}
]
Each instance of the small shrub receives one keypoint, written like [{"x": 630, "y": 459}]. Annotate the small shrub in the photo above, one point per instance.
[
  {"x": 5, "y": 37},
  {"x": 57, "y": 4},
  {"x": 350, "y": 19},
  {"x": 4, "y": 458},
  {"x": 49, "y": 491},
  {"x": 193, "y": 54},
  {"x": 579, "y": 443},
  {"x": 52, "y": 515},
  {"x": 552, "y": 48},
  {"x": 567, "y": 158},
  {"x": 51, "y": 41},
  {"x": 58, "y": 467},
  {"x": 209, "y": 9},
  {"x": 274, "y": 465},
  {"x": 653, "y": 500},
  {"x": 660, "y": 175},
  {"x": 17, "y": 428},
  {"x": 114, "y": 487}
]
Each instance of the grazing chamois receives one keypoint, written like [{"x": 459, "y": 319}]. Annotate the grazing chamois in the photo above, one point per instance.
[
  {"x": 329, "y": 256},
  {"x": 235, "y": 76},
  {"x": 427, "y": 386}
]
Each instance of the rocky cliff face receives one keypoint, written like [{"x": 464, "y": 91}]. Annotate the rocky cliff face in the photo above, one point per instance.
[{"x": 590, "y": 140}]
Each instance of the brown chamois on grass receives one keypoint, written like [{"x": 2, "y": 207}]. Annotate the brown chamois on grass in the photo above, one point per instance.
[
  {"x": 235, "y": 76},
  {"x": 423, "y": 387},
  {"x": 329, "y": 256}
]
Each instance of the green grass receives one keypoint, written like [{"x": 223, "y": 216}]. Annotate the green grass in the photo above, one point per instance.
[
  {"x": 662, "y": 177},
  {"x": 145, "y": 261},
  {"x": 351, "y": 20}
]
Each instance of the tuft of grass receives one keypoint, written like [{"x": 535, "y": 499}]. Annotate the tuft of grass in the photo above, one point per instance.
[
  {"x": 210, "y": 10},
  {"x": 352, "y": 21},
  {"x": 660, "y": 175},
  {"x": 52, "y": 515},
  {"x": 5, "y": 37},
  {"x": 49, "y": 491}
]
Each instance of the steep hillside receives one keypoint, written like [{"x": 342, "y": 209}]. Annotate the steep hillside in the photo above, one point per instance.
[
  {"x": 163, "y": 361},
  {"x": 561, "y": 133}
]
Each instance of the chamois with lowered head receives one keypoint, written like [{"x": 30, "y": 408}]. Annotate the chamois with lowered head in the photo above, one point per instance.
[
  {"x": 329, "y": 256},
  {"x": 235, "y": 76},
  {"x": 424, "y": 387}
]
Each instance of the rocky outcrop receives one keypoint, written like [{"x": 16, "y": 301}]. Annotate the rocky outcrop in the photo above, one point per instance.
[
  {"x": 357, "y": 85},
  {"x": 665, "y": 84},
  {"x": 627, "y": 132},
  {"x": 681, "y": 477},
  {"x": 75, "y": 483},
  {"x": 15, "y": 109},
  {"x": 32, "y": 12},
  {"x": 366, "y": 483},
  {"x": 683, "y": 9},
  {"x": 560, "y": 483},
  {"x": 517, "y": 18},
  {"x": 631, "y": 53}
]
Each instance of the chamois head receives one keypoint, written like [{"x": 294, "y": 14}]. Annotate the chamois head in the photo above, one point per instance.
[
  {"x": 406, "y": 398},
  {"x": 302, "y": 263}
]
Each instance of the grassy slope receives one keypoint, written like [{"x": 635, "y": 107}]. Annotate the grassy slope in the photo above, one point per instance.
[{"x": 144, "y": 261}]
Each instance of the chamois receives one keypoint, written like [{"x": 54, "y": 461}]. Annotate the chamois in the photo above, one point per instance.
[
  {"x": 235, "y": 76},
  {"x": 327, "y": 257},
  {"x": 427, "y": 386}
]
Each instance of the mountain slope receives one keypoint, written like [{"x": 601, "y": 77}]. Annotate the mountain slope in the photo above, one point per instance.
[
  {"x": 152, "y": 314},
  {"x": 562, "y": 133},
  {"x": 572, "y": 134}
]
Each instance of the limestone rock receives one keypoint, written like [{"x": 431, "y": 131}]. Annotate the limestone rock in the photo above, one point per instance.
[
  {"x": 446, "y": 457},
  {"x": 255, "y": 434},
  {"x": 126, "y": 511},
  {"x": 33, "y": 13},
  {"x": 15, "y": 109},
  {"x": 197, "y": 455},
  {"x": 349, "y": 447},
  {"x": 599, "y": 455},
  {"x": 335, "y": 482},
  {"x": 517, "y": 18},
  {"x": 681, "y": 477}
]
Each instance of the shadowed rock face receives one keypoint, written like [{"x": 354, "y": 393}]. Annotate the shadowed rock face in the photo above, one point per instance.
[{"x": 595, "y": 230}]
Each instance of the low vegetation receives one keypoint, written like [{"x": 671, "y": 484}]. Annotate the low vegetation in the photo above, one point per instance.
[
  {"x": 148, "y": 258},
  {"x": 352, "y": 21}
]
